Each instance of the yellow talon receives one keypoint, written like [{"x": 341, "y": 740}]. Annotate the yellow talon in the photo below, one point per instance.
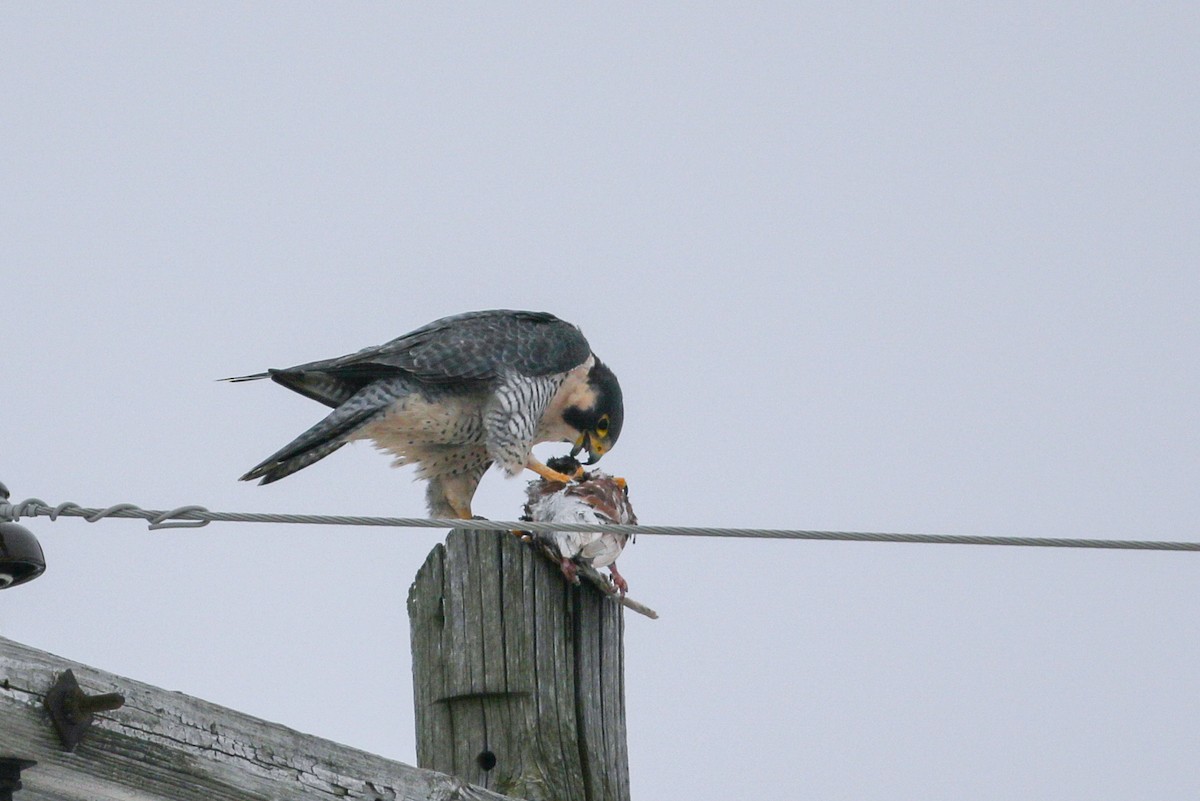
[{"x": 551, "y": 475}]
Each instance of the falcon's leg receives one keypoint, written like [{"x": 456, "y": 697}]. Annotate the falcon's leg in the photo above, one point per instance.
[
  {"x": 444, "y": 508},
  {"x": 550, "y": 475},
  {"x": 450, "y": 496},
  {"x": 618, "y": 579}
]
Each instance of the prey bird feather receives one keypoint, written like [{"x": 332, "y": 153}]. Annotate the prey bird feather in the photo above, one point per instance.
[{"x": 595, "y": 498}]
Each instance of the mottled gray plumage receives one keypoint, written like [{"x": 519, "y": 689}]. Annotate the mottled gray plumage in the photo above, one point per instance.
[{"x": 456, "y": 396}]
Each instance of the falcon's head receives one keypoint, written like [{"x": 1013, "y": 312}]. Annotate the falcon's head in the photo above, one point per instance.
[{"x": 599, "y": 420}]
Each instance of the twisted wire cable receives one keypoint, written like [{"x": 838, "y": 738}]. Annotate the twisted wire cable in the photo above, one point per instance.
[{"x": 194, "y": 516}]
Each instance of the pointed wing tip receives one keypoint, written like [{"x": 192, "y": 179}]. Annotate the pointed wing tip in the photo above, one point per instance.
[
  {"x": 259, "y": 472},
  {"x": 236, "y": 379}
]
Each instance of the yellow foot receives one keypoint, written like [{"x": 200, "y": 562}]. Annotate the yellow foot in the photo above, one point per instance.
[{"x": 553, "y": 475}]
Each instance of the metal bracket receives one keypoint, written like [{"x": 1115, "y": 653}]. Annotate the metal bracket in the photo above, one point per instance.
[
  {"x": 10, "y": 775},
  {"x": 71, "y": 709}
]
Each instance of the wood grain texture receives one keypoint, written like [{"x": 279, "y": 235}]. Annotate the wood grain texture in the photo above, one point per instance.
[
  {"x": 164, "y": 745},
  {"x": 518, "y": 676}
]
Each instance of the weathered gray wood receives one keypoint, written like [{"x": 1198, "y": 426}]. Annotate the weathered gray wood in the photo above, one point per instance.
[
  {"x": 162, "y": 745},
  {"x": 511, "y": 661}
]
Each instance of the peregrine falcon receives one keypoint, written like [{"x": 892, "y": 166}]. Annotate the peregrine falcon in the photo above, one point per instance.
[{"x": 455, "y": 397}]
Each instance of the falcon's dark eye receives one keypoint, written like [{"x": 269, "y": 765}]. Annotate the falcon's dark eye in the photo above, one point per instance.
[{"x": 602, "y": 426}]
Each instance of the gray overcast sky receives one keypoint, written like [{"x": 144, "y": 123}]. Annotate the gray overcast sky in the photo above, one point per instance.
[{"x": 928, "y": 269}]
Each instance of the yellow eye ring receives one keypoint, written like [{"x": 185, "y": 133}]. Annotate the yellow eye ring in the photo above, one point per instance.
[{"x": 602, "y": 426}]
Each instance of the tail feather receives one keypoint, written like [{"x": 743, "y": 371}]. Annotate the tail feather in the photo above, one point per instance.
[
  {"x": 328, "y": 435},
  {"x": 321, "y": 387},
  {"x": 272, "y": 470}
]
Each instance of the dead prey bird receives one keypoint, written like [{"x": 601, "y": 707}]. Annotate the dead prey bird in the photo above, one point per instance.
[{"x": 595, "y": 498}]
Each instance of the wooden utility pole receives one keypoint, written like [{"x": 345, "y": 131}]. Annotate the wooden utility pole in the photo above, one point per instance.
[
  {"x": 518, "y": 675},
  {"x": 165, "y": 746}
]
